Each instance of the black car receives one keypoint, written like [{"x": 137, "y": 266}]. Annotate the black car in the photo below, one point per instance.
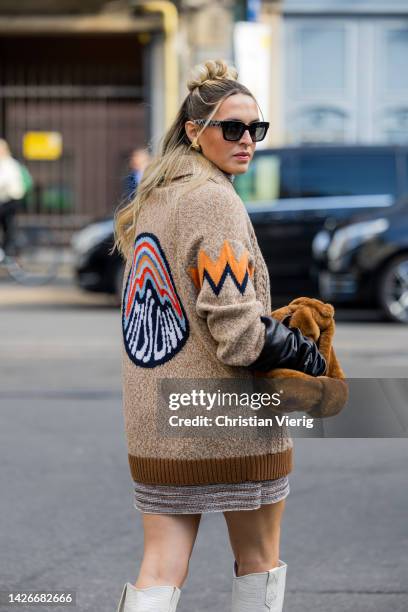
[
  {"x": 366, "y": 262},
  {"x": 95, "y": 268},
  {"x": 289, "y": 194}
]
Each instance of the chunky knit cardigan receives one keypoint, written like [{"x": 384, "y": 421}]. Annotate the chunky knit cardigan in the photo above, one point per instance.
[{"x": 195, "y": 287}]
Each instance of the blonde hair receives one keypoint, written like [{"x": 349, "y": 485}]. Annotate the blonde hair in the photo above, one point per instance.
[{"x": 209, "y": 85}]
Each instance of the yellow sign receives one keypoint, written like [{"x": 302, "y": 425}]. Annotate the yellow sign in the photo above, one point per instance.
[{"x": 42, "y": 145}]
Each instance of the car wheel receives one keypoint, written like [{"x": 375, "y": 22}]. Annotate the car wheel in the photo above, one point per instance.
[
  {"x": 393, "y": 289},
  {"x": 119, "y": 283}
]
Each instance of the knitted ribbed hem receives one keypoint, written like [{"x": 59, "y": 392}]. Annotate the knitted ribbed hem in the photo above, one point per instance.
[{"x": 153, "y": 470}]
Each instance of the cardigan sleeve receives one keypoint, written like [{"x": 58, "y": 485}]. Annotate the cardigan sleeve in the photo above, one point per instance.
[{"x": 215, "y": 257}]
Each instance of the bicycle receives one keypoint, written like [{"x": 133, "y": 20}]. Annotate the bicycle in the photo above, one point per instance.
[{"x": 32, "y": 256}]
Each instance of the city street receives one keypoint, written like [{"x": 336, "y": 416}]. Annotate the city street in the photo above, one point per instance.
[
  {"x": 66, "y": 503},
  {"x": 261, "y": 140}
]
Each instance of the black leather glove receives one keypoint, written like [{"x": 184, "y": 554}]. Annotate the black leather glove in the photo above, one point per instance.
[{"x": 288, "y": 348}]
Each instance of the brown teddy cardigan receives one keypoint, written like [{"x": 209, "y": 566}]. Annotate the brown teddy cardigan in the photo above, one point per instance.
[{"x": 319, "y": 396}]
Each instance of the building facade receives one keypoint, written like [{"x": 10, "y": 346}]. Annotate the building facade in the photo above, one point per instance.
[
  {"x": 75, "y": 99},
  {"x": 101, "y": 77},
  {"x": 344, "y": 71}
]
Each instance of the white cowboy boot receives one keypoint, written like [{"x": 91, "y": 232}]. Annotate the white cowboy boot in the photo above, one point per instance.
[
  {"x": 150, "y": 599},
  {"x": 261, "y": 592}
]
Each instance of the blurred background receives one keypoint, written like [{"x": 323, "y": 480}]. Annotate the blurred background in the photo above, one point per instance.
[{"x": 87, "y": 89}]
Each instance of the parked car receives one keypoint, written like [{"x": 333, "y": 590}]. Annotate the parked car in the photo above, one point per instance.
[
  {"x": 289, "y": 194},
  {"x": 366, "y": 262},
  {"x": 95, "y": 268}
]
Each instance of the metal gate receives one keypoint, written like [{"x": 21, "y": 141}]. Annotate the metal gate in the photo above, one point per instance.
[{"x": 88, "y": 94}]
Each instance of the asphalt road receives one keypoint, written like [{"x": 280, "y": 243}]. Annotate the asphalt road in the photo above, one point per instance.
[{"x": 67, "y": 519}]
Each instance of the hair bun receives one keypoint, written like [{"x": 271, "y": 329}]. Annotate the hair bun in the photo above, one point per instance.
[{"x": 211, "y": 70}]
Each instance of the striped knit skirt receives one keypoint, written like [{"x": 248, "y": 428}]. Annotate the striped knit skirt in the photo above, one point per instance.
[{"x": 174, "y": 499}]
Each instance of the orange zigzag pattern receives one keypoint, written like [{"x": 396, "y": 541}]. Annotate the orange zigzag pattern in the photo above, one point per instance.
[{"x": 215, "y": 269}]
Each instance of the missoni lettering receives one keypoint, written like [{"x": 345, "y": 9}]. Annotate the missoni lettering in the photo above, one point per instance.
[{"x": 154, "y": 323}]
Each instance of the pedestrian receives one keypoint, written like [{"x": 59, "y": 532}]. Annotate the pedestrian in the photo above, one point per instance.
[
  {"x": 196, "y": 304},
  {"x": 12, "y": 190},
  {"x": 138, "y": 160}
]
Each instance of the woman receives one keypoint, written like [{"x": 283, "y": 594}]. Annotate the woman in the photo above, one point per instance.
[
  {"x": 196, "y": 304},
  {"x": 12, "y": 190}
]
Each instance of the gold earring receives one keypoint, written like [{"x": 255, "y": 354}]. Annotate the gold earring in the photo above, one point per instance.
[{"x": 195, "y": 145}]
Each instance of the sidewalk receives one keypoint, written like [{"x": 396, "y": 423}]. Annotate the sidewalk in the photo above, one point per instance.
[
  {"x": 51, "y": 295},
  {"x": 62, "y": 291}
]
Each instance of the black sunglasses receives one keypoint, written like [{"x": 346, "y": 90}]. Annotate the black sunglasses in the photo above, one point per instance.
[{"x": 234, "y": 130}]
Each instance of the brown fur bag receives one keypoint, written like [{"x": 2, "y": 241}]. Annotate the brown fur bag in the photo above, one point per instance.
[{"x": 318, "y": 396}]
